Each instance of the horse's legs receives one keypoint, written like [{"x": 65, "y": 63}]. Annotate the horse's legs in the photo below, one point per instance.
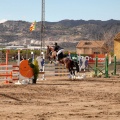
[
  {"x": 74, "y": 72},
  {"x": 49, "y": 58},
  {"x": 70, "y": 71},
  {"x": 66, "y": 66},
  {"x": 77, "y": 69},
  {"x": 54, "y": 57}
]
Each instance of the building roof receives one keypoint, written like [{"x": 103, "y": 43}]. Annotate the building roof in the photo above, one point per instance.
[
  {"x": 117, "y": 37},
  {"x": 90, "y": 44}
]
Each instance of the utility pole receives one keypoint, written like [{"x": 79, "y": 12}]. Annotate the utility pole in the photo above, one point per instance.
[{"x": 42, "y": 30}]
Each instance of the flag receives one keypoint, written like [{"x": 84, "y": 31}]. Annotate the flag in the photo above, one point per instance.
[{"x": 32, "y": 26}]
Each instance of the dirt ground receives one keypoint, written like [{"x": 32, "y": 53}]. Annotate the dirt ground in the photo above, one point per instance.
[{"x": 59, "y": 98}]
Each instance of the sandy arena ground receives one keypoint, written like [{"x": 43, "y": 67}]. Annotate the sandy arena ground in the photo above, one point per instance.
[{"x": 61, "y": 99}]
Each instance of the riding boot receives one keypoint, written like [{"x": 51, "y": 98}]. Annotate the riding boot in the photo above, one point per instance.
[
  {"x": 56, "y": 57},
  {"x": 55, "y": 62},
  {"x": 50, "y": 62}
]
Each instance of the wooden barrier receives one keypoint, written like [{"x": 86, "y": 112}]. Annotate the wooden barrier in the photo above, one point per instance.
[{"x": 55, "y": 70}]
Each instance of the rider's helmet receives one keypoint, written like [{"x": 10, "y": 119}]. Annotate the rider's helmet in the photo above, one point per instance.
[{"x": 55, "y": 43}]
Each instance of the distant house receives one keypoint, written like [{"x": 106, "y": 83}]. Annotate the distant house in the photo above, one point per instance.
[
  {"x": 91, "y": 47},
  {"x": 117, "y": 46}
]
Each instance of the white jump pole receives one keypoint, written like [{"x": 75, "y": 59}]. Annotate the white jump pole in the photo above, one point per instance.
[
  {"x": 18, "y": 57},
  {"x": 18, "y": 83},
  {"x": 32, "y": 54},
  {"x": 43, "y": 67},
  {"x": 43, "y": 60}
]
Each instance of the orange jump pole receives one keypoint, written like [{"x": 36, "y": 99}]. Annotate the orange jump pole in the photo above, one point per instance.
[{"x": 7, "y": 51}]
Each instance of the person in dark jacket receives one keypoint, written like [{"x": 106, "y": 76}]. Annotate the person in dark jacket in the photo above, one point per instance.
[
  {"x": 59, "y": 51},
  {"x": 57, "y": 47}
]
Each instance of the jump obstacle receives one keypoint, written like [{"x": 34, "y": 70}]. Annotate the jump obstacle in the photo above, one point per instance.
[
  {"x": 9, "y": 72},
  {"x": 105, "y": 67}
]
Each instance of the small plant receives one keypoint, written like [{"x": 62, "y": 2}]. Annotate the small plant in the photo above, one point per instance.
[
  {"x": 34, "y": 65},
  {"x": 100, "y": 75},
  {"x": 92, "y": 74}
]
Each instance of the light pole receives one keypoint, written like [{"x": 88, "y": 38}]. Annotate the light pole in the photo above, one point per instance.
[{"x": 42, "y": 30}]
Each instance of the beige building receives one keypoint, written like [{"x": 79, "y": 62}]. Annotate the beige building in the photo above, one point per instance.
[
  {"x": 91, "y": 47},
  {"x": 117, "y": 46}
]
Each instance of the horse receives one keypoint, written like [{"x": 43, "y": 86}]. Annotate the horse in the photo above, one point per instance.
[
  {"x": 51, "y": 54},
  {"x": 69, "y": 64}
]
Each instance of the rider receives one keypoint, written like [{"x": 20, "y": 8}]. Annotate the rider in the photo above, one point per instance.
[{"x": 59, "y": 51}]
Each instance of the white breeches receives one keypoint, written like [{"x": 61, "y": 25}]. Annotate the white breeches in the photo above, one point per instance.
[{"x": 60, "y": 51}]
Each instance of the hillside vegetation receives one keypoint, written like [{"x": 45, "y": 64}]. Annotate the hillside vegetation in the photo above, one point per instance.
[{"x": 66, "y": 32}]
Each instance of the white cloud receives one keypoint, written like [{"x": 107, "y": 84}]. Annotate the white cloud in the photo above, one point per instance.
[{"x": 3, "y": 20}]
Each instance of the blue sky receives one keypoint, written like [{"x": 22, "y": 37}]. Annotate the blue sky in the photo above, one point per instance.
[{"x": 56, "y": 10}]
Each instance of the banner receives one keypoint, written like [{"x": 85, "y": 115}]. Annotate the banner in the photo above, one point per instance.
[{"x": 91, "y": 58}]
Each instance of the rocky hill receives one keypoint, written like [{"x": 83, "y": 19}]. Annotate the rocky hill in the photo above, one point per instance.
[{"x": 66, "y": 32}]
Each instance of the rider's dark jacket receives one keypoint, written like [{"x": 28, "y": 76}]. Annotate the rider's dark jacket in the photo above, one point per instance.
[{"x": 56, "y": 48}]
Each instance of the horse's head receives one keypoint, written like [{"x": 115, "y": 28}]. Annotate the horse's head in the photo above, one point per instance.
[
  {"x": 50, "y": 48},
  {"x": 50, "y": 52}
]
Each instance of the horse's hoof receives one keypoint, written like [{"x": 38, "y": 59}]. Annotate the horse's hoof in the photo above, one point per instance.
[
  {"x": 50, "y": 62},
  {"x": 69, "y": 77}
]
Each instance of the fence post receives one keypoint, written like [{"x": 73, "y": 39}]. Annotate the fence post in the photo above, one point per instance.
[
  {"x": 96, "y": 65},
  {"x": 106, "y": 67}
]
